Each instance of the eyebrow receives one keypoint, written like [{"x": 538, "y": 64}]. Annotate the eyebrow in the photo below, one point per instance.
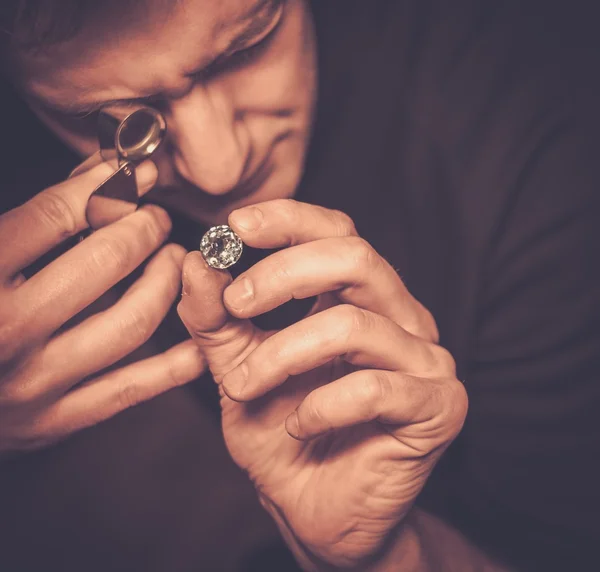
[{"x": 258, "y": 18}]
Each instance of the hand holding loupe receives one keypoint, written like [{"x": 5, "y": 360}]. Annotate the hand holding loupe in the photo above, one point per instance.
[{"x": 128, "y": 135}]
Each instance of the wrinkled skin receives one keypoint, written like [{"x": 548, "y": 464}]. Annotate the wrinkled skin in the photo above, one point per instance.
[{"x": 343, "y": 414}]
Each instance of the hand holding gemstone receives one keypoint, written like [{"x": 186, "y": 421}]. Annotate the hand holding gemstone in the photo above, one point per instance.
[{"x": 359, "y": 387}]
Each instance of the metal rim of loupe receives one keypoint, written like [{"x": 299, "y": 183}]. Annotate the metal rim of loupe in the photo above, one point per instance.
[{"x": 141, "y": 148}]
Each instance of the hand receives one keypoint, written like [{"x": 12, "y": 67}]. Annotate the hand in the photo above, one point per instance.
[
  {"x": 339, "y": 418},
  {"x": 42, "y": 360}
]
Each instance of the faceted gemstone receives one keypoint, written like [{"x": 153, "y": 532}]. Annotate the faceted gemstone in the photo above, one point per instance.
[{"x": 221, "y": 247}]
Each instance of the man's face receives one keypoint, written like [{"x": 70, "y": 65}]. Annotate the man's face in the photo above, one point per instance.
[{"x": 235, "y": 80}]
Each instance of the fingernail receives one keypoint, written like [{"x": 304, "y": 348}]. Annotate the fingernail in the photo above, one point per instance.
[
  {"x": 235, "y": 380},
  {"x": 292, "y": 425},
  {"x": 240, "y": 292},
  {"x": 248, "y": 219}
]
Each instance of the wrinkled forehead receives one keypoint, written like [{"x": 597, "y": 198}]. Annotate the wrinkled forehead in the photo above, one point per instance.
[{"x": 146, "y": 34}]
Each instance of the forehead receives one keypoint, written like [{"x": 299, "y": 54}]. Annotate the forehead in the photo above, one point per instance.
[{"x": 165, "y": 39}]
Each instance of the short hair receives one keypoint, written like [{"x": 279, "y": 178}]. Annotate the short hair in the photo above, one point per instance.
[{"x": 36, "y": 24}]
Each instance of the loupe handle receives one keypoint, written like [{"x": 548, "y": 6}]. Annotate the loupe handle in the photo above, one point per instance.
[{"x": 128, "y": 134}]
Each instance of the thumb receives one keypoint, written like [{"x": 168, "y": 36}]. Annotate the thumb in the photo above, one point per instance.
[{"x": 224, "y": 340}]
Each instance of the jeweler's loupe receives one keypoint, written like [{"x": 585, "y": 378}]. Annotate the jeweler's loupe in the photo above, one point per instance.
[
  {"x": 129, "y": 132},
  {"x": 128, "y": 135}
]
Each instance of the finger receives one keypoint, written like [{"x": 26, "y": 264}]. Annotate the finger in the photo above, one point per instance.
[
  {"x": 77, "y": 278},
  {"x": 34, "y": 228},
  {"x": 285, "y": 222},
  {"x": 108, "y": 395},
  {"x": 359, "y": 337},
  {"x": 224, "y": 340},
  {"x": 434, "y": 409},
  {"x": 105, "y": 338},
  {"x": 348, "y": 266}
]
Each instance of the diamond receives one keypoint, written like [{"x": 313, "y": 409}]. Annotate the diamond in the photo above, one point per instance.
[{"x": 221, "y": 247}]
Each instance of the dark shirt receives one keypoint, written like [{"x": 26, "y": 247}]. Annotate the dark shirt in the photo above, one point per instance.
[{"x": 461, "y": 138}]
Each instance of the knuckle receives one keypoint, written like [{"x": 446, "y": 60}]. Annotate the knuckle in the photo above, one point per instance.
[
  {"x": 457, "y": 404},
  {"x": 12, "y": 334},
  {"x": 138, "y": 325},
  {"x": 286, "y": 210},
  {"x": 25, "y": 434},
  {"x": 9, "y": 344},
  {"x": 363, "y": 255},
  {"x": 128, "y": 393},
  {"x": 360, "y": 320},
  {"x": 19, "y": 393},
  {"x": 376, "y": 389},
  {"x": 426, "y": 326},
  {"x": 351, "y": 319},
  {"x": 314, "y": 413},
  {"x": 430, "y": 327},
  {"x": 112, "y": 252},
  {"x": 343, "y": 223},
  {"x": 24, "y": 383},
  {"x": 442, "y": 360},
  {"x": 174, "y": 377},
  {"x": 285, "y": 206},
  {"x": 431, "y": 359},
  {"x": 53, "y": 209},
  {"x": 283, "y": 266}
]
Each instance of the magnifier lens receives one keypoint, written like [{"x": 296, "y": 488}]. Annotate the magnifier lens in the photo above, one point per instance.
[{"x": 140, "y": 134}]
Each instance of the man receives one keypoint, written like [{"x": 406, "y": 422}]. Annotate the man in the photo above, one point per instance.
[{"x": 450, "y": 148}]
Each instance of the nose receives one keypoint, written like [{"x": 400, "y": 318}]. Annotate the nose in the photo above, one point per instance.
[{"x": 210, "y": 146}]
